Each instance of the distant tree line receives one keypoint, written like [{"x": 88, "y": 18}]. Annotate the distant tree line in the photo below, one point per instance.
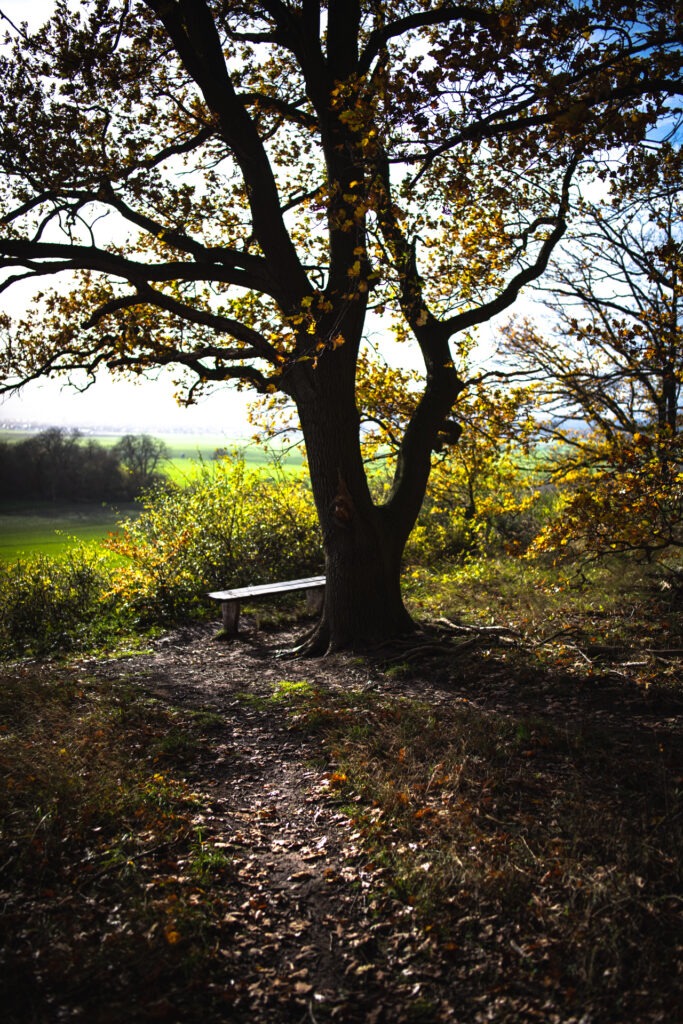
[{"x": 60, "y": 465}]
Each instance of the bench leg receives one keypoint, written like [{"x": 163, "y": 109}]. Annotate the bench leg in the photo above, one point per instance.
[
  {"x": 230, "y": 611},
  {"x": 314, "y": 599}
]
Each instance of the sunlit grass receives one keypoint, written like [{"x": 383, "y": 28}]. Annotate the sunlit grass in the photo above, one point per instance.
[
  {"x": 538, "y": 598},
  {"x": 29, "y": 529}
]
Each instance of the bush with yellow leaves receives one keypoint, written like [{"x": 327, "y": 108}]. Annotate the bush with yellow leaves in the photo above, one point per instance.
[
  {"x": 621, "y": 493},
  {"x": 228, "y": 527}
]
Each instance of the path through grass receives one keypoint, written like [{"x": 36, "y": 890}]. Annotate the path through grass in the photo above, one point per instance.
[{"x": 207, "y": 834}]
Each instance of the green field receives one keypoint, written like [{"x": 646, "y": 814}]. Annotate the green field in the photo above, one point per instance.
[
  {"x": 187, "y": 451},
  {"x": 32, "y": 528}
]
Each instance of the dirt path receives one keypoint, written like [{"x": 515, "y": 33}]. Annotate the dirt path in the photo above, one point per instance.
[
  {"x": 307, "y": 941},
  {"x": 311, "y": 935}
]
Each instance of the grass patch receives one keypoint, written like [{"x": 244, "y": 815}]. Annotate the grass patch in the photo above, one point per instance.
[
  {"x": 579, "y": 620},
  {"x": 287, "y": 691},
  {"x": 188, "y": 453},
  {"x": 545, "y": 858},
  {"x": 30, "y": 528},
  {"x": 103, "y": 860}
]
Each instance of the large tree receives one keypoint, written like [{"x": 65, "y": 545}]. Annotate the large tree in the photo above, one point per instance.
[
  {"x": 239, "y": 186},
  {"x": 140, "y": 455}
]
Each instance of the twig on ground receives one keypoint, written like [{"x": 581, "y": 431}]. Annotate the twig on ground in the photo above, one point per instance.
[
  {"x": 567, "y": 631},
  {"x": 124, "y": 863},
  {"x": 489, "y": 630}
]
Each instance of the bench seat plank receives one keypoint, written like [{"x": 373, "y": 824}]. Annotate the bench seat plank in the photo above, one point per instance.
[
  {"x": 230, "y": 599},
  {"x": 263, "y": 589}
]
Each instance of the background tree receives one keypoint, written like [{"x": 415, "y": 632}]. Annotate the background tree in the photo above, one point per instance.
[
  {"x": 52, "y": 458},
  {"x": 140, "y": 455},
  {"x": 238, "y": 185},
  {"x": 614, "y": 359},
  {"x": 487, "y": 480},
  {"x": 100, "y": 476},
  {"x": 614, "y": 362},
  {"x": 481, "y": 486},
  {"x": 60, "y": 465}
]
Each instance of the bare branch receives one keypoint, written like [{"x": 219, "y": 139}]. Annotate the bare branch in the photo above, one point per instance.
[{"x": 480, "y": 314}]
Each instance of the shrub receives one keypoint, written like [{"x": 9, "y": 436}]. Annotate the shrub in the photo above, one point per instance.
[
  {"x": 230, "y": 526},
  {"x": 53, "y": 603},
  {"x": 621, "y": 494},
  {"x": 501, "y": 507}
]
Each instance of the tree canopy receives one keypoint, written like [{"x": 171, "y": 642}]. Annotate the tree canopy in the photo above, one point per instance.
[
  {"x": 612, "y": 369},
  {"x": 241, "y": 190}
]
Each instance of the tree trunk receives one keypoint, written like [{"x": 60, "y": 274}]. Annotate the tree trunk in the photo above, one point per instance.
[
  {"x": 363, "y": 606},
  {"x": 363, "y": 545}
]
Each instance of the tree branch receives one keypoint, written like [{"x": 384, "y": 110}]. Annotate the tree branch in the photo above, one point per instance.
[
  {"x": 192, "y": 29},
  {"x": 288, "y": 110},
  {"x": 379, "y": 37},
  {"x": 65, "y": 256},
  {"x": 148, "y": 296},
  {"x": 462, "y": 321}
]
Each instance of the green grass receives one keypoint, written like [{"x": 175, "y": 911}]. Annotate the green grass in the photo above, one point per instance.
[
  {"x": 28, "y": 528},
  {"x": 187, "y": 452}
]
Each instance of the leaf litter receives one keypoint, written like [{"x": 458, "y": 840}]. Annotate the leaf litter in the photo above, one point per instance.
[{"x": 280, "y": 899}]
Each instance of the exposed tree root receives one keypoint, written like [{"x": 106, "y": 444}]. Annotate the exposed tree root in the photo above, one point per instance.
[
  {"x": 313, "y": 644},
  {"x": 320, "y": 642},
  {"x": 453, "y": 641}
]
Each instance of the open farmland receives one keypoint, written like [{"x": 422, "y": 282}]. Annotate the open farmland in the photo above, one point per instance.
[
  {"x": 51, "y": 529},
  {"x": 28, "y": 528},
  {"x": 187, "y": 451}
]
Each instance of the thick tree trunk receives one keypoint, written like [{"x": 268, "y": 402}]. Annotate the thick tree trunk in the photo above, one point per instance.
[
  {"x": 363, "y": 544},
  {"x": 363, "y": 606}
]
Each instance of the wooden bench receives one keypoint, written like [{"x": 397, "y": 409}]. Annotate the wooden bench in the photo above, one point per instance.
[{"x": 314, "y": 588}]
